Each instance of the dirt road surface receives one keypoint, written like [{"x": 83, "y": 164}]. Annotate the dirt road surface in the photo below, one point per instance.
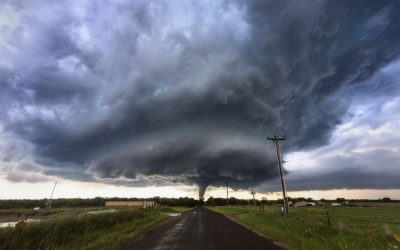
[{"x": 202, "y": 229}]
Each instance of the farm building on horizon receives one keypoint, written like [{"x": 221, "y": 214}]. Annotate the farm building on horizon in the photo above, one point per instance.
[
  {"x": 305, "y": 204},
  {"x": 139, "y": 204}
]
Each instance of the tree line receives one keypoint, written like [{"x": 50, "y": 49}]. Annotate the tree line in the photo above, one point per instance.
[
  {"x": 91, "y": 202},
  {"x": 182, "y": 201}
]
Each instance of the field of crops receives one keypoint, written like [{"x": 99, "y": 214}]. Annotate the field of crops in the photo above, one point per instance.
[{"x": 324, "y": 228}]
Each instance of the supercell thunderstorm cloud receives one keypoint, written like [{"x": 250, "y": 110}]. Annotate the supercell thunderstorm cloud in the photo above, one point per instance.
[{"x": 163, "y": 92}]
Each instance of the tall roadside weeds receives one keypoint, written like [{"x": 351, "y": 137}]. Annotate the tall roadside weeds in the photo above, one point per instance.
[{"x": 103, "y": 231}]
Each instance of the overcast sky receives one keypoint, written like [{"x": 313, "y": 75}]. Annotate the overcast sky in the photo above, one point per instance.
[{"x": 174, "y": 95}]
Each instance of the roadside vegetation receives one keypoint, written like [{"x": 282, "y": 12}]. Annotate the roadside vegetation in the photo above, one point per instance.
[
  {"x": 83, "y": 232},
  {"x": 102, "y": 231},
  {"x": 61, "y": 212},
  {"x": 324, "y": 227}
]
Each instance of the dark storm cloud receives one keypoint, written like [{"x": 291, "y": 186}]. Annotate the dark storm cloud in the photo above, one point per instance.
[
  {"x": 185, "y": 91},
  {"x": 321, "y": 48},
  {"x": 353, "y": 178},
  {"x": 360, "y": 170},
  {"x": 349, "y": 178}
]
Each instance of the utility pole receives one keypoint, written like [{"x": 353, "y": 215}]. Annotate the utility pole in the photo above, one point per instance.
[
  {"x": 48, "y": 205},
  {"x": 276, "y": 140},
  {"x": 253, "y": 193},
  {"x": 227, "y": 194}
]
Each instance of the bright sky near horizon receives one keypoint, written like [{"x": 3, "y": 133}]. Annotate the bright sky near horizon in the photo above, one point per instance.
[
  {"x": 144, "y": 98},
  {"x": 73, "y": 189}
]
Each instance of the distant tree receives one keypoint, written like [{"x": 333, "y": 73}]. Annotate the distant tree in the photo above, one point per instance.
[
  {"x": 386, "y": 199},
  {"x": 264, "y": 200},
  {"x": 340, "y": 199},
  {"x": 94, "y": 202},
  {"x": 299, "y": 199},
  {"x": 157, "y": 199}
]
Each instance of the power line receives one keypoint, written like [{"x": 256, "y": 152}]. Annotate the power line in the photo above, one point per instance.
[{"x": 276, "y": 140}]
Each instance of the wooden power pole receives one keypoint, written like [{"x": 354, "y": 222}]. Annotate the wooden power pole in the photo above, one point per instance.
[
  {"x": 276, "y": 140},
  {"x": 227, "y": 193},
  {"x": 48, "y": 205}
]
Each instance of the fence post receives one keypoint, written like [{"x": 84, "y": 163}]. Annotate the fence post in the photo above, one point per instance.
[{"x": 327, "y": 217}]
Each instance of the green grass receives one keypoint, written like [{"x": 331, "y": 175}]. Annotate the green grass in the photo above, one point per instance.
[
  {"x": 104, "y": 231},
  {"x": 307, "y": 228},
  {"x": 12, "y": 214},
  {"x": 175, "y": 209}
]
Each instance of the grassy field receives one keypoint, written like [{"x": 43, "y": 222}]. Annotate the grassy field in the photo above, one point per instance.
[
  {"x": 12, "y": 214},
  {"x": 175, "y": 209},
  {"x": 103, "y": 231},
  {"x": 307, "y": 228}
]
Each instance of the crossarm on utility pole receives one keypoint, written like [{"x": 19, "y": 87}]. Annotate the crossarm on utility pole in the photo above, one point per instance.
[{"x": 275, "y": 139}]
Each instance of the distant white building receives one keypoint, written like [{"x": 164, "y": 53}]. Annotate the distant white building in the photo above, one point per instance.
[
  {"x": 336, "y": 204},
  {"x": 305, "y": 204}
]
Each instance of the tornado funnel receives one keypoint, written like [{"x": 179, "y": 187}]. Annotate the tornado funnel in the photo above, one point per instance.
[{"x": 202, "y": 190}]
